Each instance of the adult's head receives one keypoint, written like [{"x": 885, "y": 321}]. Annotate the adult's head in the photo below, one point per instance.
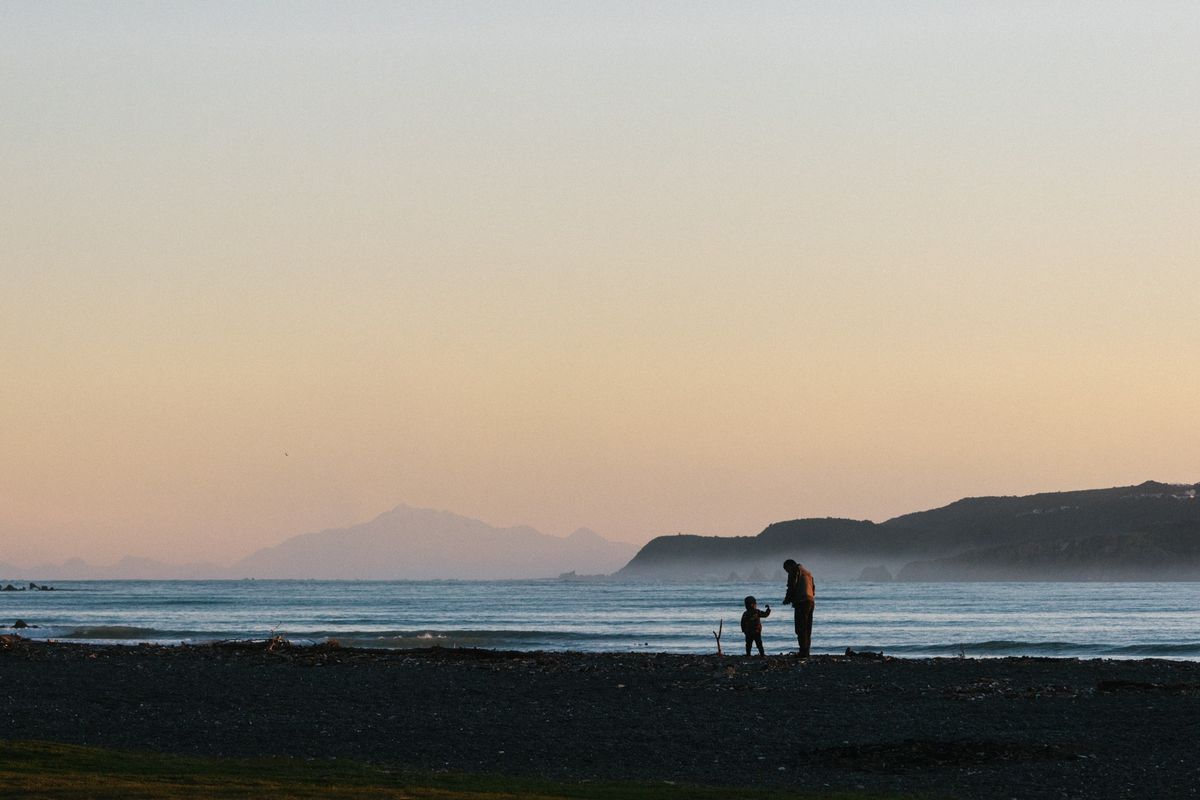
[{"x": 790, "y": 565}]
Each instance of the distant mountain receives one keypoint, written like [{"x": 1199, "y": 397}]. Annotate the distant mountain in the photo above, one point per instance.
[
  {"x": 416, "y": 543},
  {"x": 945, "y": 540},
  {"x": 405, "y": 543}
]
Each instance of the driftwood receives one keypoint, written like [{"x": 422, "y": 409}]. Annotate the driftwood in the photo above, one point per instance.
[{"x": 717, "y": 635}]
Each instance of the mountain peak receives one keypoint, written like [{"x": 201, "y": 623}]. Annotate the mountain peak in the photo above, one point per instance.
[
  {"x": 585, "y": 534},
  {"x": 409, "y": 543}
]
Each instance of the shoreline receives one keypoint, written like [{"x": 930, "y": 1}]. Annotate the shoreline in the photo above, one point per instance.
[
  {"x": 968, "y": 650},
  {"x": 1036, "y": 727}
]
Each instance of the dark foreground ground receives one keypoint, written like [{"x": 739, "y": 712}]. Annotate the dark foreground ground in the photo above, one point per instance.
[{"x": 1005, "y": 728}]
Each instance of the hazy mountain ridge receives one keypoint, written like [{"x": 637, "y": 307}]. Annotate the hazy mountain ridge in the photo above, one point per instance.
[
  {"x": 965, "y": 540},
  {"x": 420, "y": 544},
  {"x": 402, "y": 544}
]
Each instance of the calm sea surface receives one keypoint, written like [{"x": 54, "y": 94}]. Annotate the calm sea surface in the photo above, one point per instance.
[{"x": 1112, "y": 620}]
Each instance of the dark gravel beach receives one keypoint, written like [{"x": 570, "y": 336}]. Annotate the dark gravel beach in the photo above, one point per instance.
[{"x": 1003, "y": 728}]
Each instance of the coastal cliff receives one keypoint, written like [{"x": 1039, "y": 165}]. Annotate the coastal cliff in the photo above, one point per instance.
[{"x": 1145, "y": 532}]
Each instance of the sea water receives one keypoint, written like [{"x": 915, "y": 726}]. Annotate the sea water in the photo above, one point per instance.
[{"x": 1110, "y": 620}]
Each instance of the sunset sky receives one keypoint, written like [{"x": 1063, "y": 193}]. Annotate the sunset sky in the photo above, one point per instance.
[{"x": 267, "y": 268}]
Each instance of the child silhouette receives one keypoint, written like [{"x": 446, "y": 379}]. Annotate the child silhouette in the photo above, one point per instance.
[{"x": 752, "y": 624}]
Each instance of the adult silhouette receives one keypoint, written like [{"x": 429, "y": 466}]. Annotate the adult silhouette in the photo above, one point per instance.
[{"x": 802, "y": 595}]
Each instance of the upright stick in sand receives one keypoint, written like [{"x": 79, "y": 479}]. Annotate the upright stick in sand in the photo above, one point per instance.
[{"x": 717, "y": 635}]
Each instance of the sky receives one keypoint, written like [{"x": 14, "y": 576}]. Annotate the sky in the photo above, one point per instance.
[{"x": 269, "y": 268}]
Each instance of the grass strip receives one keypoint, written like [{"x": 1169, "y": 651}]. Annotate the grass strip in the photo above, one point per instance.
[{"x": 65, "y": 772}]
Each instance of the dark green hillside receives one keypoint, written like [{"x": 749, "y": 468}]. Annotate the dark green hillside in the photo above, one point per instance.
[
  {"x": 1166, "y": 552},
  {"x": 662, "y": 551},
  {"x": 1086, "y": 520},
  {"x": 809, "y": 539},
  {"x": 990, "y": 521},
  {"x": 844, "y": 536}
]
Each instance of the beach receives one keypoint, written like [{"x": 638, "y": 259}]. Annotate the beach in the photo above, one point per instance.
[{"x": 950, "y": 727}]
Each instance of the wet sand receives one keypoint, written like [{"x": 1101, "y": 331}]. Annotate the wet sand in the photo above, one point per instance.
[{"x": 986, "y": 728}]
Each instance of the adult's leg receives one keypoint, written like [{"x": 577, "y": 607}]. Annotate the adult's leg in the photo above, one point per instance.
[{"x": 804, "y": 617}]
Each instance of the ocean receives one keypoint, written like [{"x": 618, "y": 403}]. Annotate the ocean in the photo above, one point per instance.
[{"x": 1086, "y": 620}]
